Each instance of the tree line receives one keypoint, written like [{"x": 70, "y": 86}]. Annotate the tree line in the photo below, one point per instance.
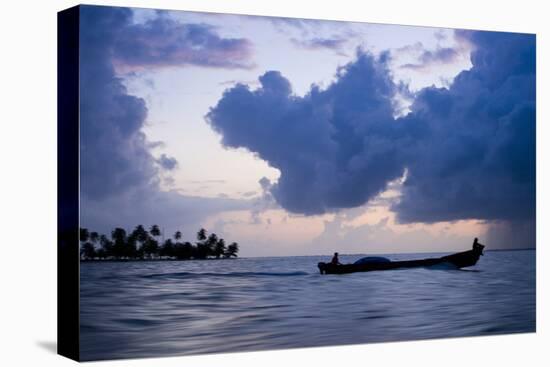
[{"x": 141, "y": 244}]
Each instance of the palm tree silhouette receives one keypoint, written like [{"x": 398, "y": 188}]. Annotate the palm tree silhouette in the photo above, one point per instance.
[
  {"x": 211, "y": 242},
  {"x": 119, "y": 242},
  {"x": 106, "y": 246},
  {"x": 219, "y": 249},
  {"x": 155, "y": 230},
  {"x": 87, "y": 251},
  {"x": 140, "y": 243},
  {"x": 94, "y": 237},
  {"x": 152, "y": 246},
  {"x": 201, "y": 234},
  {"x": 84, "y": 234},
  {"x": 232, "y": 250}
]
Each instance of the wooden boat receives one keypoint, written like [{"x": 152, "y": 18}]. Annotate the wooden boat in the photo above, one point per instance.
[{"x": 458, "y": 260}]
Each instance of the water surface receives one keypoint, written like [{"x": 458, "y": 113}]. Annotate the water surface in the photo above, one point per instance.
[{"x": 153, "y": 309}]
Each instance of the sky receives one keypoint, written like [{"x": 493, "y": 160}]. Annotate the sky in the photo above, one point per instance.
[{"x": 301, "y": 137}]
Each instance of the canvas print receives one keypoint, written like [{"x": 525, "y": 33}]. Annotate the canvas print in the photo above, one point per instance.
[{"x": 235, "y": 183}]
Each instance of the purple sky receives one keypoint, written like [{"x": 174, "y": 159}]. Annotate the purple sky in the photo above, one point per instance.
[{"x": 301, "y": 137}]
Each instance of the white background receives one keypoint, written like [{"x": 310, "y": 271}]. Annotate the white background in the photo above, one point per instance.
[{"x": 28, "y": 183}]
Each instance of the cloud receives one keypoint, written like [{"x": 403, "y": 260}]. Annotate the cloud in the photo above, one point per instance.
[
  {"x": 382, "y": 235},
  {"x": 114, "y": 152},
  {"x": 476, "y": 158},
  {"x": 171, "y": 210},
  {"x": 335, "y": 148},
  {"x": 425, "y": 59},
  {"x": 167, "y": 163},
  {"x": 208, "y": 181},
  {"x": 441, "y": 55},
  {"x": 512, "y": 234},
  {"x": 284, "y": 24},
  {"x": 440, "y": 35},
  {"x": 468, "y": 149},
  {"x": 164, "y": 42},
  {"x": 319, "y": 43},
  {"x": 120, "y": 177}
]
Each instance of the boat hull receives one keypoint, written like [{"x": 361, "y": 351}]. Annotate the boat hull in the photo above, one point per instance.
[{"x": 458, "y": 260}]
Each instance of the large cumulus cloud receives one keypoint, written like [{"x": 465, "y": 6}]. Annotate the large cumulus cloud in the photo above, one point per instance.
[
  {"x": 114, "y": 156},
  {"x": 477, "y": 159},
  {"x": 469, "y": 150},
  {"x": 335, "y": 148}
]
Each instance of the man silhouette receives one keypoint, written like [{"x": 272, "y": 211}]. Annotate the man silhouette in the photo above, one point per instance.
[
  {"x": 477, "y": 246},
  {"x": 335, "y": 260}
]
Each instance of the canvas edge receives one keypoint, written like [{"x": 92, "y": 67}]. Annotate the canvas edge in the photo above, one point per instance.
[{"x": 68, "y": 282}]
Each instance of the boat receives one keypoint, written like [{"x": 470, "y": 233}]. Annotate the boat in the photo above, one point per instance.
[{"x": 458, "y": 260}]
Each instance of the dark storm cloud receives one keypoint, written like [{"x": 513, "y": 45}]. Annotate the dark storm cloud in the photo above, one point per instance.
[
  {"x": 469, "y": 151},
  {"x": 335, "y": 148},
  {"x": 477, "y": 159},
  {"x": 163, "y": 41},
  {"x": 114, "y": 153}
]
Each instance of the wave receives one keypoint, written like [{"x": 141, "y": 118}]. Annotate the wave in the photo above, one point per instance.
[
  {"x": 230, "y": 274},
  {"x": 443, "y": 266}
]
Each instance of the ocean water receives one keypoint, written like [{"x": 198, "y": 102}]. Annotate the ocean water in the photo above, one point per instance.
[{"x": 153, "y": 309}]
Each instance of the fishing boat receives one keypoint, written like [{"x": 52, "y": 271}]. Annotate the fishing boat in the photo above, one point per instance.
[{"x": 458, "y": 260}]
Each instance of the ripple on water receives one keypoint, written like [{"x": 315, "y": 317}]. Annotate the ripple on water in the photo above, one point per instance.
[{"x": 173, "y": 308}]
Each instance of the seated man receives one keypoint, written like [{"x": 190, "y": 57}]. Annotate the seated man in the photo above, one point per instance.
[
  {"x": 477, "y": 245},
  {"x": 335, "y": 260}
]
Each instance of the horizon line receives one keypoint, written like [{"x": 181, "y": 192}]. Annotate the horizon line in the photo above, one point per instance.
[{"x": 393, "y": 253}]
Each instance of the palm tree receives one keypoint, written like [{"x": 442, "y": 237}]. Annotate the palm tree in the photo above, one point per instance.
[
  {"x": 106, "y": 246},
  {"x": 130, "y": 247},
  {"x": 232, "y": 250},
  {"x": 219, "y": 249},
  {"x": 167, "y": 248},
  {"x": 100, "y": 253},
  {"x": 184, "y": 251},
  {"x": 141, "y": 236},
  {"x": 123, "y": 245},
  {"x": 84, "y": 234},
  {"x": 170, "y": 248},
  {"x": 201, "y": 250},
  {"x": 211, "y": 242},
  {"x": 201, "y": 234},
  {"x": 87, "y": 251},
  {"x": 152, "y": 246},
  {"x": 119, "y": 238},
  {"x": 188, "y": 250},
  {"x": 155, "y": 230},
  {"x": 140, "y": 233},
  {"x": 94, "y": 237}
]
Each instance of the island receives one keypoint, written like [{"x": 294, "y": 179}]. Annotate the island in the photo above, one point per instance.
[{"x": 143, "y": 244}]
